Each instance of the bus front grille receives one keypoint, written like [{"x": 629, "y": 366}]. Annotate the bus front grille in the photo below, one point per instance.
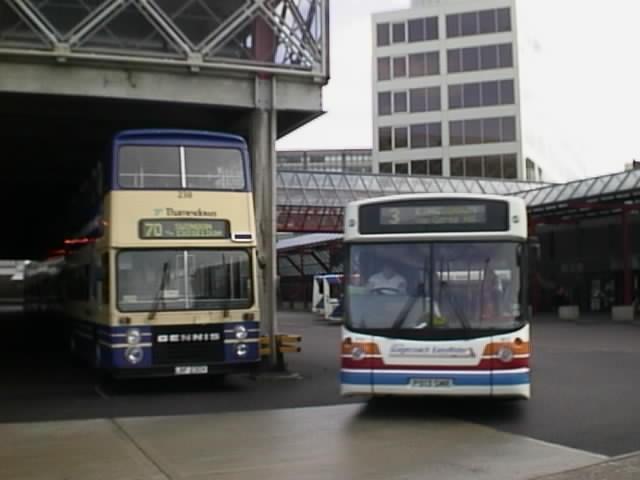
[{"x": 188, "y": 344}]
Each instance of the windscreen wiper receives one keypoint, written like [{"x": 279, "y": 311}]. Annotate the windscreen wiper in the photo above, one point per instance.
[
  {"x": 159, "y": 297},
  {"x": 444, "y": 286}
]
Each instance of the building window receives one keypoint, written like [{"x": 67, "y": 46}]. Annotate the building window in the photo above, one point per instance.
[
  {"x": 453, "y": 26},
  {"x": 504, "y": 20},
  {"x": 479, "y": 22},
  {"x": 490, "y": 93},
  {"x": 384, "y": 139},
  {"x": 456, "y": 132},
  {"x": 402, "y": 168},
  {"x": 469, "y": 23},
  {"x": 455, "y": 97},
  {"x": 510, "y": 167},
  {"x": 419, "y": 136},
  {"x": 426, "y": 135},
  {"x": 454, "y": 62},
  {"x": 507, "y": 92},
  {"x": 470, "y": 59},
  {"x": 399, "y": 67},
  {"x": 423, "y": 29},
  {"x": 382, "y": 31},
  {"x": 418, "y": 100},
  {"x": 487, "y": 20},
  {"x": 384, "y": 68},
  {"x": 434, "y": 103},
  {"x": 427, "y": 167},
  {"x": 485, "y": 130},
  {"x": 433, "y": 63},
  {"x": 434, "y": 134},
  {"x": 471, "y": 95},
  {"x": 508, "y": 129},
  {"x": 399, "y": 32},
  {"x": 480, "y": 58},
  {"x": 424, "y": 64},
  {"x": 401, "y": 138},
  {"x": 457, "y": 167},
  {"x": 385, "y": 167},
  {"x": 431, "y": 28},
  {"x": 400, "y": 102},
  {"x": 483, "y": 94},
  {"x": 419, "y": 167},
  {"x": 424, "y": 99},
  {"x": 473, "y": 167},
  {"x": 489, "y": 57},
  {"x": 491, "y": 130},
  {"x": 493, "y": 166},
  {"x": 490, "y": 166},
  {"x": 384, "y": 103},
  {"x": 505, "y": 55},
  {"x": 435, "y": 167},
  {"x": 472, "y": 132}
]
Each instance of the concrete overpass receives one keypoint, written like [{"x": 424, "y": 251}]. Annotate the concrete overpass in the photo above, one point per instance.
[{"x": 74, "y": 72}]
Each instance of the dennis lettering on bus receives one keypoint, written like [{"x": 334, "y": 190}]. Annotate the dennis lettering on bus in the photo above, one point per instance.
[{"x": 188, "y": 337}]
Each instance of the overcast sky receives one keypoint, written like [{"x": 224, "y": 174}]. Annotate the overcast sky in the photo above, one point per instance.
[{"x": 589, "y": 73}]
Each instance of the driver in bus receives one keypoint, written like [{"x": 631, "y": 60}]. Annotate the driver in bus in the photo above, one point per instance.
[{"x": 389, "y": 279}]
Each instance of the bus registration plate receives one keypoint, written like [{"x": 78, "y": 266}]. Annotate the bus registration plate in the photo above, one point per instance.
[
  {"x": 430, "y": 382},
  {"x": 192, "y": 370}
]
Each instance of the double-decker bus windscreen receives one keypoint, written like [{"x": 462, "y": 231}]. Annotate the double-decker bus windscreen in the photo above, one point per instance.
[
  {"x": 176, "y": 279},
  {"x": 429, "y": 288},
  {"x": 173, "y": 167}
]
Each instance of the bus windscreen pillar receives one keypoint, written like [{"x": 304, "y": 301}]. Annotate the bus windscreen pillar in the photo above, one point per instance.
[{"x": 263, "y": 137}]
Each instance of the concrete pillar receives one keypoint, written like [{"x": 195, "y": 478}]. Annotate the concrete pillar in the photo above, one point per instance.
[{"x": 263, "y": 154}]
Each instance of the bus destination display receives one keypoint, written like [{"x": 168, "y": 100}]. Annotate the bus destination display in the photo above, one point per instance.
[
  {"x": 433, "y": 215},
  {"x": 184, "y": 229}
]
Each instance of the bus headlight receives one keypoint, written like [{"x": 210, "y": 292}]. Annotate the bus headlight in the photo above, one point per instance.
[
  {"x": 134, "y": 355},
  {"x": 240, "y": 332},
  {"x": 133, "y": 336},
  {"x": 242, "y": 349},
  {"x": 357, "y": 353},
  {"x": 505, "y": 354}
]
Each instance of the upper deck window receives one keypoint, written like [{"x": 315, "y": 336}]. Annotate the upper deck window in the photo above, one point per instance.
[
  {"x": 214, "y": 168},
  {"x": 172, "y": 167},
  {"x": 148, "y": 167}
]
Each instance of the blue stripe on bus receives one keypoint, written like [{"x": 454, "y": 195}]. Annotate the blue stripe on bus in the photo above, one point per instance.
[{"x": 459, "y": 379}]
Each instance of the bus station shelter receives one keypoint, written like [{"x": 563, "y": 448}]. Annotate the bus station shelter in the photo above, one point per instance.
[{"x": 589, "y": 261}]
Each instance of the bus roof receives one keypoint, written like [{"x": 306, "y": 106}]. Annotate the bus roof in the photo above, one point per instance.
[{"x": 163, "y": 135}]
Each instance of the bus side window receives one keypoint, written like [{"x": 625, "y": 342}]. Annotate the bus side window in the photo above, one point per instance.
[{"x": 105, "y": 279}]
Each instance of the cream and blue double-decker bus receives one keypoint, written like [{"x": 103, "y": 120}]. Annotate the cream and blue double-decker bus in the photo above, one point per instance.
[
  {"x": 165, "y": 283},
  {"x": 436, "y": 296}
]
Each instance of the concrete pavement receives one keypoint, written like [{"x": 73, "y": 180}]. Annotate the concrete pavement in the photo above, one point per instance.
[{"x": 334, "y": 442}]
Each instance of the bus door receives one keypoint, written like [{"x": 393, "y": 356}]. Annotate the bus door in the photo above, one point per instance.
[
  {"x": 333, "y": 293},
  {"x": 317, "y": 296}
]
